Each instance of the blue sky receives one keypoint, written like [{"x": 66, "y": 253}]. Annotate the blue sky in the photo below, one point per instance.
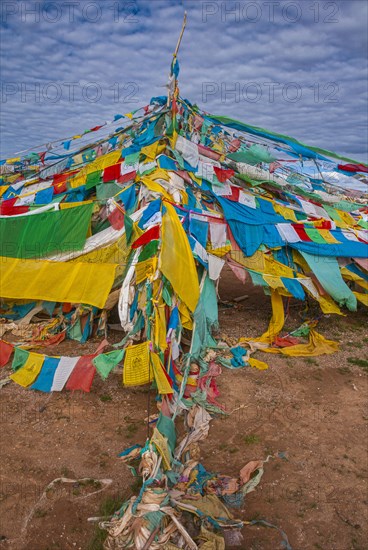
[{"x": 296, "y": 67}]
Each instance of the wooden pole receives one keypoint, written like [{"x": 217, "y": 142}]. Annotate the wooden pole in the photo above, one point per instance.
[
  {"x": 181, "y": 34},
  {"x": 177, "y": 50}
]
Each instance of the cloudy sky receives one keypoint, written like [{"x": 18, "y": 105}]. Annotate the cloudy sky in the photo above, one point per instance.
[{"x": 295, "y": 67}]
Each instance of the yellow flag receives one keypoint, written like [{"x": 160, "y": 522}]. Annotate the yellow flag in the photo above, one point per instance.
[
  {"x": 155, "y": 187},
  {"x": 328, "y": 305},
  {"x": 328, "y": 237},
  {"x": 11, "y": 161},
  {"x": 256, "y": 363},
  {"x": 273, "y": 281},
  {"x": 317, "y": 345},
  {"x": 145, "y": 270},
  {"x": 346, "y": 218},
  {"x": 137, "y": 369},
  {"x": 285, "y": 212},
  {"x": 255, "y": 262},
  {"x": 277, "y": 319},
  {"x": 362, "y": 297},
  {"x": 163, "y": 447},
  {"x": 66, "y": 205},
  {"x": 26, "y": 375},
  {"x": 160, "y": 377},
  {"x": 351, "y": 276},
  {"x": 153, "y": 150},
  {"x": 176, "y": 259},
  {"x": 173, "y": 139},
  {"x": 221, "y": 251},
  {"x": 160, "y": 324},
  {"x": 160, "y": 173},
  {"x": 79, "y": 180},
  {"x": 273, "y": 267},
  {"x": 185, "y": 317},
  {"x": 75, "y": 282}
]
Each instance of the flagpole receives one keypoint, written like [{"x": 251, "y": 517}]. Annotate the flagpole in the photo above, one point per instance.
[
  {"x": 181, "y": 34},
  {"x": 175, "y": 55}
]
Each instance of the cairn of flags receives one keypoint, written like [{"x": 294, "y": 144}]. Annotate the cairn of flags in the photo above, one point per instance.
[{"x": 143, "y": 219}]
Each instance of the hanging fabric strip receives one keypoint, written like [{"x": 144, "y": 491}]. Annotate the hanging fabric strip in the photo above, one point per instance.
[
  {"x": 176, "y": 259},
  {"x": 277, "y": 319},
  {"x": 45, "y": 233},
  {"x": 75, "y": 282}
]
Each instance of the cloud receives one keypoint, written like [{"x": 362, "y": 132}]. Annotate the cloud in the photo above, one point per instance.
[{"x": 295, "y": 67}]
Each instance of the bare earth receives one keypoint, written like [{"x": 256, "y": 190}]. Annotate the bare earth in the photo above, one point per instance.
[{"x": 311, "y": 410}]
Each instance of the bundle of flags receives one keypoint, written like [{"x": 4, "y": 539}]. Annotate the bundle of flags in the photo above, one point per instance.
[
  {"x": 146, "y": 218},
  {"x": 143, "y": 220}
]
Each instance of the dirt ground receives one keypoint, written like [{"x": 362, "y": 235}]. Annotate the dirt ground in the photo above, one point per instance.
[{"x": 311, "y": 413}]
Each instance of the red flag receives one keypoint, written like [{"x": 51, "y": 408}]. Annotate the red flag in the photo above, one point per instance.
[
  {"x": 353, "y": 167},
  {"x": 111, "y": 173},
  {"x": 323, "y": 224},
  {"x": 116, "y": 218},
  {"x": 129, "y": 176},
  {"x": 59, "y": 183},
  {"x": 82, "y": 375},
  {"x": 301, "y": 232},
  {"x": 147, "y": 237},
  {"x": 235, "y": 192},
  {"x": 7, "y": 208},
  {"x": 174, "y": 106},
  {"x": 285, "y": 341},
  {"x": 222, "y": 174},
  {"x": 6, "y": 350}
]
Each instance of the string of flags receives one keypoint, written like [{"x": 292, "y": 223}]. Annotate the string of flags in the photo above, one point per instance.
[
  {"x": 41, "y": 372},
  {"x": 35, "y": 158}
]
